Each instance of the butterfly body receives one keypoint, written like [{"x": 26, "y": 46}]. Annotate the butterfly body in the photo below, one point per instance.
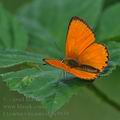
[
  {"x": 75, "y": 64},
  {"x": 84, "y": 58}
]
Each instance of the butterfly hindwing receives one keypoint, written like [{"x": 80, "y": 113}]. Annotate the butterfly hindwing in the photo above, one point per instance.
[{"x": 96, "y": 55}]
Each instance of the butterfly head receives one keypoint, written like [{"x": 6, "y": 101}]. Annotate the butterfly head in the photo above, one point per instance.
[{"x": 70, "y": 62}]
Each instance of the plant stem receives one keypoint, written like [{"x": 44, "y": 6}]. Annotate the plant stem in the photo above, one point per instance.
[{"x": 103, "y": 96}]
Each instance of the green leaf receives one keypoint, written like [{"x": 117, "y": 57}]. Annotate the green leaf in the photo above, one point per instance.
[
  {"x": 63, "y": 92},
  {"x": 31, "y": 82},
  {"x": 13, "y": 57},
  {"x": 12, "y": 34},
  {"x": 24, "y": 72},
  {"x": 110, "y": 85},
  {"x": 58, "y": 99},
  {"x": 109, "y": 28},
  {"x": 15, "y": 60},
  {"x": 45, "y": 85},
  {"x": 47, "y": 22},
  {"x": 114, "y": 51},
  {"x": 110, "y": 2}
]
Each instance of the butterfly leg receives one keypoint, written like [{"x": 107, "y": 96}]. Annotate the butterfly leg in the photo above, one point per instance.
[{"x": 64, "y": 75}]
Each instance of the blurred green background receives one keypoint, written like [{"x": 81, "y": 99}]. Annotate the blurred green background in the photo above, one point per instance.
[{"x": 83, "y": 106}]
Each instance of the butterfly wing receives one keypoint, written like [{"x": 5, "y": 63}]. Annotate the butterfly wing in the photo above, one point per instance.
[
  {"x": 79, "y": 37},
  {"x": 96, "y": 55},
  {"x": 76, "y": 72}
]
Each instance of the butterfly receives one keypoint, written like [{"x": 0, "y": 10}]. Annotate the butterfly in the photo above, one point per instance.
[{"x": 84, "y": 57}]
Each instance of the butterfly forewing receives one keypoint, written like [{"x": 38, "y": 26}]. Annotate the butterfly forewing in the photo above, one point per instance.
[{"x": 79, "y": 37}]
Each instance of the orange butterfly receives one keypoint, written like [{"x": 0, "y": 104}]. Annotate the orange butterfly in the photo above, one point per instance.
[{"x": 84, "y": 58}]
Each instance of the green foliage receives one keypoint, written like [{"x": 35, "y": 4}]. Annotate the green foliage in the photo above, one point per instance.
[
  {"x": 46, "y": 23},
  {"x": 12, "y": 34},
  {"x": 108, "y": 32},
  {"x": 109, "y": 24},
  {"x": 34, "y": 80},
  {"x": 13, "y": 57},
  {"x": 114, "y": 52},
  {"x": 108, "y": 3}
]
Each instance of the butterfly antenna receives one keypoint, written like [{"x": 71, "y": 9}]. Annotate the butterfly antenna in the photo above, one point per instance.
[{"x": 62, "y": 60}]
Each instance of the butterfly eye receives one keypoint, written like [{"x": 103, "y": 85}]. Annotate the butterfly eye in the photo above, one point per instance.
[{"x": 70, "y": 62}]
